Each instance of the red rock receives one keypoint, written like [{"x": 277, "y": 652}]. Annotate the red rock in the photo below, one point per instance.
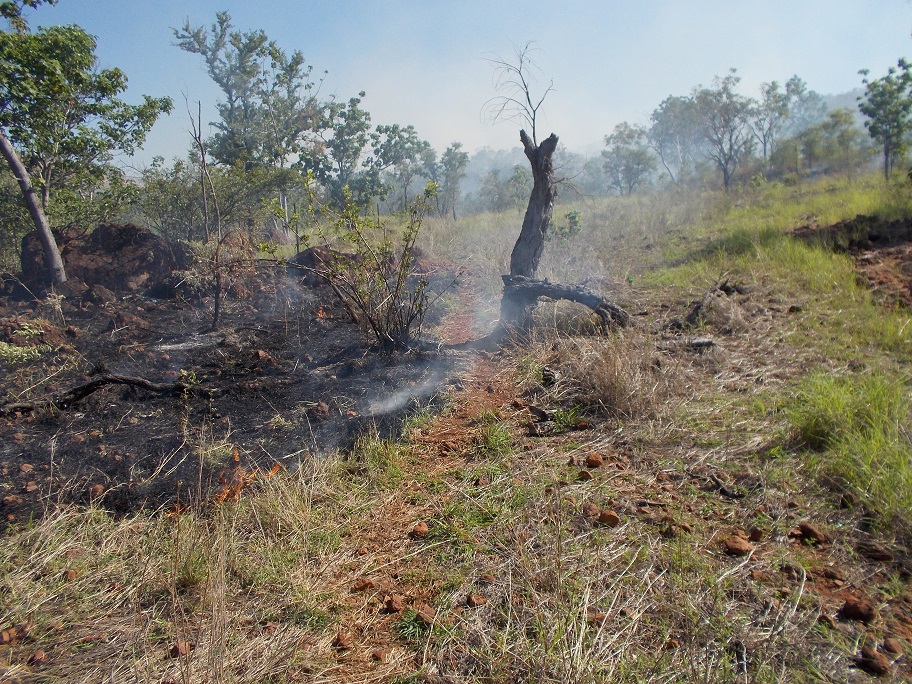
[
  {"x": 811, "y": 533},
  {"x": 12, "y": 500},
  {"x": 736, "y": 545},
  {"x": 595, "y": 617},
  {"x": 180, "y": 648},
  {"x": 590, "y": 510},
  {"x": 31, "y": 486},
  {"x": 363, "y": 584},
  {"x": 826, "y": 621},
  {"x": 69, "y": 575},
  {"x": 342, "y": 642},
  {"x": 609, "y": 519},
  {"x": 672, "y": 644},
  {"x": 426, "y": 614},
  {"x": 482, "y": 481},
  {"x": 362, "y": 551},
  {"x": 96, "y": 491},
  {"x": 594, "y": 460},
  {"x": 38, "y": 658},
  {"x": 858, "y": 609},
  {"x": 873, "y": 661},
  {"x": 420, "y": 530},
  {"x": 394, "y": 604},
  {"x": 380, "y": 654},
  {"x": 874, "y": 551},
  {"x": 487, "y": 578},
  {"x": 893, "y": 646},
  {"x": 584, "y": 476},
  {"x": 475, "y": 600},
  {"x": 26, "y": 467},
  {"x": 755, "y": 535}
]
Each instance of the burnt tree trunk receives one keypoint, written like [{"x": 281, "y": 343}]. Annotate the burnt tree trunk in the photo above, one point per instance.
[
  {"x": 52, "y": 258},
  {"x": 518, "y": 305}
]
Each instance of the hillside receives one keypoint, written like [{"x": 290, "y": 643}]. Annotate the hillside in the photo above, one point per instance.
[{"x": 720, "y": 492}]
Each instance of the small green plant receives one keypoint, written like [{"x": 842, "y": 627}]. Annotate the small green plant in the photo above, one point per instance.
[
  {"x": 566, "y": 419},
  {"x": 564, "y": 232},
  {"x": 412, "y": 626},
  {"x": 14, "y": 354}
]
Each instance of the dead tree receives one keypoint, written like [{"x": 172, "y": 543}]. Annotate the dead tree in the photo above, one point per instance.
[{"x": 521, "y": 290}]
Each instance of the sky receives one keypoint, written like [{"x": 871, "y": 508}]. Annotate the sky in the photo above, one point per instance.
[{"x": 425, "y": 62}]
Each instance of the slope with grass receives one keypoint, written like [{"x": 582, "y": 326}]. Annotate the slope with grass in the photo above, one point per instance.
[{"x": 719, "y": 494}]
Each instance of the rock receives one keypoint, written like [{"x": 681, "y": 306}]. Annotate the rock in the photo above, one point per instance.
[
  {"x": 609, "y": 519},
  {"x": 342, "y": 642},
  {"x": 487, "y": 578},
  {"x": 394, "y": 604},
  {"x": 426, "y": 614},
  {"x": 811, "y": 534},
  {"x": 736, "y": 545},
  {"x": 180, "y": 648},
  {"x": 39, "y": 657},
  {"x": 873, "y": 661},
  {"x": 858, "y": 609},
  {"x": 584, "y": 476},
  {"x": 363, "y": 584},
  {"x": 12, "y": 501},
  {"x": 96, "y": 491},
  {"x": 69, "y": 575},
  {"x": 594, "y": 460},
  {"x": 482, "y": 481},
  {"x": 893, "y": 646},
  {"x": 380, "y": 654},
  {"x": 363, "y": 551},
  {"x": 318, "y": 411},
  {"x": 590, "y": 510},
  {"x": 420, "y": 530},
  {"x": 31, "y": 486},
  {"x": 475, "y": 600},
  {"x": 26, "y": 468},
  {"x": 755, "y": 535},
  {"x": 874, "y": 551},
  {"x": 826, "y": 621}
]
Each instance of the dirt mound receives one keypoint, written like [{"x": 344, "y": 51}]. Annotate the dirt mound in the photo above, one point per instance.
[
  {"x": 121, "y": 258},
  {"x": 882, "y": 251}
]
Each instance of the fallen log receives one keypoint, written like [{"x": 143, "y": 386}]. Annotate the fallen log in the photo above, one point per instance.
[
  {"x": 529, "y": 289},
  {"x": 67, "y": 399}
]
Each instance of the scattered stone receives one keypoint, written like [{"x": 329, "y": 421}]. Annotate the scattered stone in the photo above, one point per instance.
[
  {"x": 595, "y": 617},
  {"x": 420, "y": 530},
  {"x": 736, "y": 545},
  {"x": 590, "y": 510},
  {"x": 181, "y": 648},
  {"x": 394, "y": 604},
  {"x": 594, "y": 460},
  {"x": 342, "y": 642},
  {"x": 39, "y": 657},
  {"x": 96, "y": 491},
  {"x": 487, "y": 578},
  {"x": 826, "y": 621},
  {"x": 834, "y": 574},
  {"x": 893, "y": 646},
  {"x": 858, "y": 609},
  {"x": 426, "y": 614},
  {"x": 873, "y": 661},
  {"x": 791, "y": 503},
  {"x": 810, "y": 534},
  {"x": 609, "y": 519},
  {"x": 31, "y": 486},
  {"x": 755, "y": 535},
  {"x": 26, "y": 468},
  {"x": 70, "y": 575},
  {"x": 584, "y": 476},
  {"x": 848, "y": 500},
  {"x": 318, "y": 411},
  {"x": 482, "y": 481},
  {"x": 475, "y": 600},
  {"x": 12, "y": 500},
  {"x": 873, "y": 551},
  {"x": 363, "y": 551},
  {"x": 363, "y": 584},
  {"x": 380, "y": 654}
]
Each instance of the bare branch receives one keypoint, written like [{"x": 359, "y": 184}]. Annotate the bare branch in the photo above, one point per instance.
[{"x": 514, "y": 80}]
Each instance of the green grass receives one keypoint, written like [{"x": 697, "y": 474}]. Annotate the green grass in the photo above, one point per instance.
[{"x": 859, "y": 431}]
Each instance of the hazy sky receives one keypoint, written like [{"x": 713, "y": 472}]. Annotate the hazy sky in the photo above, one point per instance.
[{"x": 423, "y": 62}]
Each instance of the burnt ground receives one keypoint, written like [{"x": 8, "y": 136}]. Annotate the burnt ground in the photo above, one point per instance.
[
  {"x": 286, "y": 377},
  {"x": 882, "y": 251}
]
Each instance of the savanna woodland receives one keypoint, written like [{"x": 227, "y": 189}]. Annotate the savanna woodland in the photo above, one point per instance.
[{"x": 316, "y": 402}]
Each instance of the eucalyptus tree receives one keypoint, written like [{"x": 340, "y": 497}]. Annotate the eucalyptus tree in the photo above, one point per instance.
[
  {"x": 627, "y": 159},
  {"x": 674, "y": 135},
  {"x": 448, "y": 173},
  {"x": 725, "y": 124},
  {"x": 769, "y": 116},
  {"x": 887, "y": 104},
  {"x": 61, "y": 120}
]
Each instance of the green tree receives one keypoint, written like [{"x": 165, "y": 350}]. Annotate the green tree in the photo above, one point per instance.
[
  {"x": 449, "y": 173},
  {"x": 805, "y": 107},
  {"x": 399, "y": 150},
  {"x": 725, "y": 123},
  {"x": 628, "y": 160},
  {"x": 674, "y": 135},
  {"x": 769, "y": 115},
  {"x": 61, "y": 120},
  {"x": 270, "y": 102},
  {"x": 887, "y": 104}
]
